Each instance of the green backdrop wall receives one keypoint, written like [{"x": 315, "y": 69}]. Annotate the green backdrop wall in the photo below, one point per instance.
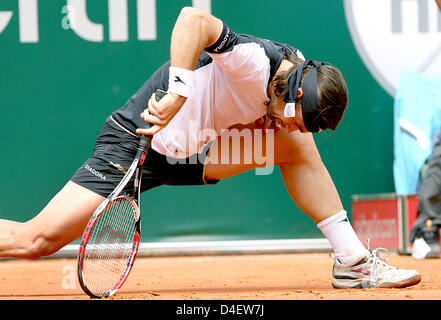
[{"x": 56, "y": 92}]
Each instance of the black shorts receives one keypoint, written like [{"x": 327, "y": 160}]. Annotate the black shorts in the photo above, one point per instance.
[{"x": 114, "y": 152}]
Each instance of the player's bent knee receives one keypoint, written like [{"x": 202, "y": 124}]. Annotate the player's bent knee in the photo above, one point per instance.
[{"x": 295, "y": 149}]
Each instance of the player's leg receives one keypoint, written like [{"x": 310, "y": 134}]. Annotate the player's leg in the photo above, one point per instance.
[
  {"x": 59, "y": 223},
  {"x": 310, "y": 186},
  {"x": 64, "y": 218},
  {"x": 306, "y": 178}
]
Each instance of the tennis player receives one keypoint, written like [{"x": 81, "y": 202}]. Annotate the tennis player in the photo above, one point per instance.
[{"x": 216, "y": 80}]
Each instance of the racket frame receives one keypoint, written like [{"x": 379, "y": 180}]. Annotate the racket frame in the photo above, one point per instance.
[
  {"x": 135, "y": 169},
  {"x": 131, "y": 259}
]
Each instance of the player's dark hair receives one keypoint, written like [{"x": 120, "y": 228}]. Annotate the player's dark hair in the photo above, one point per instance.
[{"x": 332, "y": 92}]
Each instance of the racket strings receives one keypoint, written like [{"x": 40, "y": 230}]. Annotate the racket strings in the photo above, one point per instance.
[{"x": 110, "y": 246}]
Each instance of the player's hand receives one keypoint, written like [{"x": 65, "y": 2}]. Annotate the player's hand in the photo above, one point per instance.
[
  {"x": 267, "y": 123},
  {"x": 160, "y": 113}
]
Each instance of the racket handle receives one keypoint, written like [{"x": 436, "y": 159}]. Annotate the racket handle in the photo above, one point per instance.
[{"x": 146, "y": 140}]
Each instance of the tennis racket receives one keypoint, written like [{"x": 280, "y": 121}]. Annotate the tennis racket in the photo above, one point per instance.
[{"x": 110, "y": 241}]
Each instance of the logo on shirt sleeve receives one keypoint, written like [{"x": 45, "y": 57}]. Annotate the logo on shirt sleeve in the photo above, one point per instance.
[{"x": 224, "y": 41}]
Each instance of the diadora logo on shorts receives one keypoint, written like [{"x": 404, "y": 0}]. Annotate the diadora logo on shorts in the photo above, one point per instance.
[
  {"x": 94, "y": 172},
  {"x": 74, "y": 16},
  {"x": 393, "y": 35}
]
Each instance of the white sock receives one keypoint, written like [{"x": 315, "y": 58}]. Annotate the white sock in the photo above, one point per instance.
[{"x": 338, "y": 230}]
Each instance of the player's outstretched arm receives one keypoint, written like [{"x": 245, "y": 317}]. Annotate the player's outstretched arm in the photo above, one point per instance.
[{"x": 194, "y": 31}]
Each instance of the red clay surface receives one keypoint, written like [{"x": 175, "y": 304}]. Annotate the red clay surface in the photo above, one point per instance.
[{"x": 296, "y": 276}]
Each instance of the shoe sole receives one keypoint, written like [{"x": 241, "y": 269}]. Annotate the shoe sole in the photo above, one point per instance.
[{"x": 359, "y": 285}]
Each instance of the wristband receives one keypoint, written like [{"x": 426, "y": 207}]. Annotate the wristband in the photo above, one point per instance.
[{"x": 180, "y": 81}]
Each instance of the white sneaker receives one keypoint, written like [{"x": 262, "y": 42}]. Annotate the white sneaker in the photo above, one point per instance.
[{"x": 373, "y": 271}]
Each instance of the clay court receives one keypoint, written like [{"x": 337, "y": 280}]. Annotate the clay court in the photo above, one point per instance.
[
  {"x": 294, "y": 276},
  {"x": 68, "y": 65}
]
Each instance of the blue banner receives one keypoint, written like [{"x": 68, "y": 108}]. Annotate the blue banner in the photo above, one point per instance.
[{"x": 417, "y": 120}]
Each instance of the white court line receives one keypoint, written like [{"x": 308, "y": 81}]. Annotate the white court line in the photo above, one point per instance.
[{"x": 218, "y": 247}]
